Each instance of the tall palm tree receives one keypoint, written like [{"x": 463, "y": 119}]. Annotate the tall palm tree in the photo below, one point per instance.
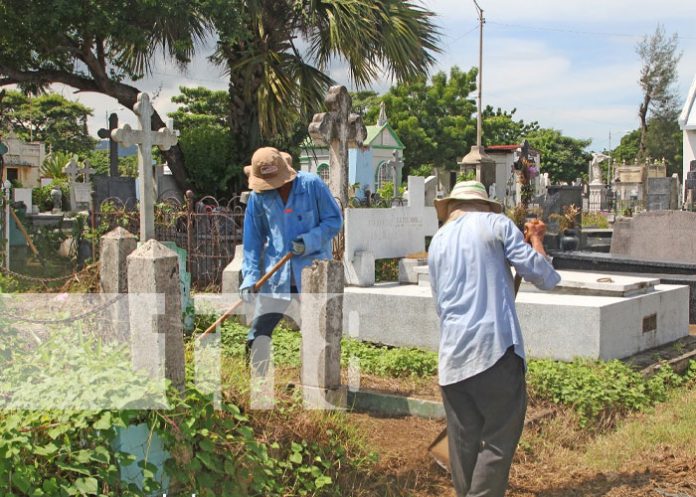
[{"x": 278, "y": 69}]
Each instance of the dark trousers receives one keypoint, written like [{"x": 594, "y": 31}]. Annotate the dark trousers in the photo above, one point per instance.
[
  {"x": 485, "y": 417},
  {"x": 264, "y": 324}
]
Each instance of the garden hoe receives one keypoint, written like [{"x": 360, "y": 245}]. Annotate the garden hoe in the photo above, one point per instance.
[{"x": 257, "y": 287}]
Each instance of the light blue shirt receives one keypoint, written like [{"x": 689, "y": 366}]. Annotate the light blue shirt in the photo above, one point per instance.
[
  {"x": 469, "y": 261},
  {"x": 270, "y": 226}
]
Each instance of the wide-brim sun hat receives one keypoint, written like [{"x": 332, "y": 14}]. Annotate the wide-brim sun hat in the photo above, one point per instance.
[
  {"x": 466, "y": 191},
  {"x": 268, "y": 170}
]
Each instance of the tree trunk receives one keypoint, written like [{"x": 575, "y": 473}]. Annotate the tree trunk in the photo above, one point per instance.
[
  {"x": 243, "y": 110},
  {"x": 643, "y": 115}
]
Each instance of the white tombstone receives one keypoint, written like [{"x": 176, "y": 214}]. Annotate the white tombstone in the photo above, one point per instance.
[
  {"x": 80, "y": 191},
  {"x": 372, "y": 234},
  {"x": 145, "y": 138}
]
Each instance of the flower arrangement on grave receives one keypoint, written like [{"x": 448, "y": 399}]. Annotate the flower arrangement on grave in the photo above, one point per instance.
[
  {"x": 527, "y": 171},
  {"x": 567, "y": 220}
]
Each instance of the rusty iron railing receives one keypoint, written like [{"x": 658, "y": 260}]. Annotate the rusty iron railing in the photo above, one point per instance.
[{"x": 208, "y": 229}]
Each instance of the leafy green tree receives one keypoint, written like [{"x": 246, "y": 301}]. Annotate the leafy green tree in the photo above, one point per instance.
[
  {"x": 97, "y": 45},
  {"x": 127, "y": 165},
  {"x": 433, "y": 120},
  {"x": 49, "y": 118},
  {"x": 627, "y": 150},
  {"x": 200, "y": 106},
  {"x": 563, "y": 157},
  {"x": 663, "y": 140},
  {"x": 500, "y": 127},
  {"x": 276, "y": 83},
  {"x": 658, "y": 78},
  {"x": 209, "y": 159}
]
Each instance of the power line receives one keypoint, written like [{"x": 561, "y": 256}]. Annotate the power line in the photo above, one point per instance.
[
  {"x": 462, "y": 36},
  {"x": 578, "y": 32}
]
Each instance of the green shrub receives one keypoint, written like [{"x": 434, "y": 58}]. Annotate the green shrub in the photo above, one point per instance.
[
  {"x": 214, "y": 450},
  {"x": 597, "y": 390},
  {"x": 374, "y": 359}
]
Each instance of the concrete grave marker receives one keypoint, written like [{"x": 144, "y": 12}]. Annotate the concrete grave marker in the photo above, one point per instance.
[
  {"x": 338, "y": 129},
  {"x": 657, "y": 235},
  {"x": 154, "y": 304},
  {"x": 145, "y": 138},
  {"x": 372, "y": 234},
  {"x": 322, "y": 325}
]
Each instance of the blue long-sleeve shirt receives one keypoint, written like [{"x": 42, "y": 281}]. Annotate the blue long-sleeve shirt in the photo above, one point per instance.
[
  {"x": 469, "y": 261},
  {"x": 311, "y": 213}
]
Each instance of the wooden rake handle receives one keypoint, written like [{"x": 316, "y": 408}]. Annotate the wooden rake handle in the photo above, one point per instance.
[{"x": 257, "y": 287}]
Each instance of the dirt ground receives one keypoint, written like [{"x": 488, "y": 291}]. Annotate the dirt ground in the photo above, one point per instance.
[{"x": 404, "y": 459}]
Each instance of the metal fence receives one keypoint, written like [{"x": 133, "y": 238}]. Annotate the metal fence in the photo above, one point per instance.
[{"x": 208, "y": 229}]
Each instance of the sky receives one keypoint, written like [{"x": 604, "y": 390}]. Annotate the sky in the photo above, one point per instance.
[{"x": 568, "y": 64}]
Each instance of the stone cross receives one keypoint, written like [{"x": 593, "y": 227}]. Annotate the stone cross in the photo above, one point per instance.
[
  {"x": 72, "y": 170},
  {"x": 395, "y": 164},
  {"x": 86, "y": 170},
  {"x": 338, "y": 129},
  {"x": 113, "y": 145},
  {"x": 145, "y": 138}
]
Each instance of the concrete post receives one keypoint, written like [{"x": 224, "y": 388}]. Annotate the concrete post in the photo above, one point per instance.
[
  {"x": 116, "y": 246},
  {"x": 157, "y": 338},
  {"x": 322, "y": 322},
  {"x": 232, "y": 274},
  {"x": 231, "y": 281}
]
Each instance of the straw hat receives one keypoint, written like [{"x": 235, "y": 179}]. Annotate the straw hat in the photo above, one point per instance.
[
  {"x": 268, "y": 170},
  {"x": 462, "y": 191}
]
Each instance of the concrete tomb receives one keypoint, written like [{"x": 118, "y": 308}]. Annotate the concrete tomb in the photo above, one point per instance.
[
  {"x": 372, "y": 234},
  {"x": 630, "y": 316}
]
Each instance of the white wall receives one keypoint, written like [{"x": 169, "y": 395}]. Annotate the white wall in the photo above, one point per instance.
[{"x": 689, "y": 150}]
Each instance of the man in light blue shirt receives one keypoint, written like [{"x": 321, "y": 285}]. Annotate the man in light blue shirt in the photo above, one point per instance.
[
  {"x": 286, "y": 212},
  {"x": 481, "y": 356}
]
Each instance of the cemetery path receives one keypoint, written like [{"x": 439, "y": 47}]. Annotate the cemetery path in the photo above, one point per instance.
[
  {"x": 405, "y": 468},
  {"x": 667, "y": 476}
]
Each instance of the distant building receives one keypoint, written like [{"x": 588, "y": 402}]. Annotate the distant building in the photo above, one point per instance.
[
  {"x": 23, "y": 161},
  {"x": 367, "y": 165},
  {"x": 504, "y": 157},
  {"x": 687, "y": 122}
]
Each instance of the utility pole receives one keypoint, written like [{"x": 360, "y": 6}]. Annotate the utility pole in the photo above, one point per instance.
[
  {"x": 479, "y": 118},
  {"x": 477, "y": 157}
]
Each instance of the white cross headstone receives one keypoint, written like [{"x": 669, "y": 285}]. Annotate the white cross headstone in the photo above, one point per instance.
[
  {"x": 145, "y": 138},
  {"x": 83, "y": 190},
  {"x": 86, "y": 170},
  {"x": 395, "y": 164},
  {"x": 72, "y": 171}
]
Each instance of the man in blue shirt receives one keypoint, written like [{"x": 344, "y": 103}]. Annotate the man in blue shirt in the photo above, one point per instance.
[
  {"x": 287, "y": 211},
  {"x": 481, "y": 356}
]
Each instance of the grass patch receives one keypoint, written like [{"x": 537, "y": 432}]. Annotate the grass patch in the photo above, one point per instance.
[
  {"x": 373, "y": 359},
  {"x": 671, "y": 424},
  {"x": 598, "y": 392}
]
